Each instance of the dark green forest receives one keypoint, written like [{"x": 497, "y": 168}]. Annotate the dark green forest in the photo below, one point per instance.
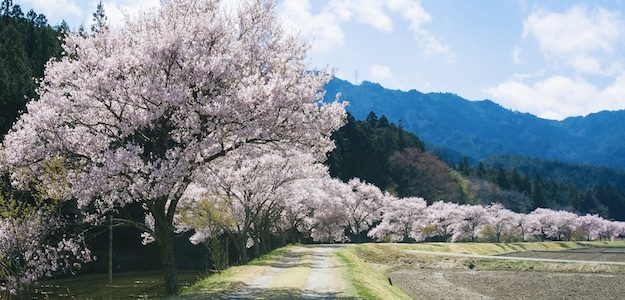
[
  {"x": 27, "y": 42},
  {"x": 545, "y": 189}
]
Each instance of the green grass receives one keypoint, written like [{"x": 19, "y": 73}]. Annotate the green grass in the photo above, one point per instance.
[
  {"x": 369, "y": 281},
  {"x": 499, "y": 248},
  {"x": 512, "y": 265},
  {"x": 130, "y": 285},
  {"x": 394, "y": 257}
]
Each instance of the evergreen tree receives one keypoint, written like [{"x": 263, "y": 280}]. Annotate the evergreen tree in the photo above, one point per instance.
[
  {"x": 538, "y": 198},
  {"x": 63, "y": 29},
  {"x": 100, "y": 21},
  {"x": 15, "y": 77},
  {"x": 6, "y": 8},
  {"x": 481, "y": 171},
  {"x": 463, "y": 167},
  {"x": 502, "y": 179},
  {"x": 26, "y": 44},
  {"x": 16, "y": 12}
]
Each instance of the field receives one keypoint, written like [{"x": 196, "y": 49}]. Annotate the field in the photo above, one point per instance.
[
  {"x": 591, "y": 254},
  {"x": 470, "y": 284},
  {"x": 469, "y": 270}
]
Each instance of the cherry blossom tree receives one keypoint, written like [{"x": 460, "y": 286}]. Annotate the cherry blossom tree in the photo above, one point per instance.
[
  {"x": 547, "y": 223},
  {"x": 590, "y": 226},
  {"x": 135, "y": 113},
  {"x": 440, "y": 219},
  {"x": 611, "y": 230},
  {"x": 565, "y": 224},
  {"x": 398, "y": 218},
  {"x": 541, "y": 223},
  {"x": 329, "y": 217},
  {"x": 292, "y": 224},
  {"x": 31, "y": 247},
  {"x": 252, "y": 189},
  {"x": 363, "y": 205},
  {"x": 472, "y": 219},
  {"x": 503, "y": 221}
]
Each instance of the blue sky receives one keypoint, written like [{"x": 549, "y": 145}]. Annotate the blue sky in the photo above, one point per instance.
[{"x": 551, "y": 58}]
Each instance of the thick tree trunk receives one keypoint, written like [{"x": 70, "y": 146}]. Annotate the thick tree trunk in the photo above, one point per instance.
[
  {"x": 165, "y": 238},
  {"x": 169, "y": 265}
]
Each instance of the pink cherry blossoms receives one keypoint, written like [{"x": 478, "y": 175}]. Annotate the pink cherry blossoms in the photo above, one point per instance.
[
  {"x": 31, "y": 247},
  {"x": 139, "y": 113},
  {"x": 456, "y": 222}
]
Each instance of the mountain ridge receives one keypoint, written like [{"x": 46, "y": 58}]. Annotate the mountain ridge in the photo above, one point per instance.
[{"x": 483, "y": 128}]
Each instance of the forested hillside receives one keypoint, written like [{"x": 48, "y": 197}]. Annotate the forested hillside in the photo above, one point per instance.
[
  {"x": 546, "y": 190},
  {"x": 383, "y": 153},
  {"x": 581, "y": 176},
  {"x": 27, "y": 42}
]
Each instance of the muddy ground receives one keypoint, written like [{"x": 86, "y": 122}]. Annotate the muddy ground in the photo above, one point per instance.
[
  {"x": 470, "y": 284},
  {"x": 589, "y": 254}
]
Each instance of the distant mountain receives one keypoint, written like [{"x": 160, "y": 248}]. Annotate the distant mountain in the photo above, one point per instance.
[{"x": 481, "y": 129}]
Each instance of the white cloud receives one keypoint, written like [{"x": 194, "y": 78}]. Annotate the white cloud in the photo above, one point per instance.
[
  {"x": 558, "y": 97},
  {"x": 324, "y": 28},
  {"x": 381, "y": 74},
  {"x": 413, "y": 11},
  {"x": 580, "y": 37},
  {"x": 117, "y": 11},
  {"x": 55, "y": 11},
  {"x": 369, "y": 12}
]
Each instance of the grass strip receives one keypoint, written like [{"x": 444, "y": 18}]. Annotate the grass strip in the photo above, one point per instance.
[{"x": 369, "y": 281}]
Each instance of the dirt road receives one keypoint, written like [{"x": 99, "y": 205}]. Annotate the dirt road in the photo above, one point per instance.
[{"x": 310, "y": 272}]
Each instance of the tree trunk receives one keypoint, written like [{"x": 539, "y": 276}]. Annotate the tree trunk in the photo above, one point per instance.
[
  {"x": 256, "y": 247},
  {"x": 165, "y": 238},
  {"x": 227, "y": 243},
  {"x": 242, "y": 242},
  {"x": 268, "y": 242}
]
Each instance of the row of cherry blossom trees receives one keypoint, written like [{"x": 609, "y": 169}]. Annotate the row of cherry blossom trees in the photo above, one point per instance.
[
  {"x": 271, "y": 194},
  {"x": 411, "y": 219},
  {"x": 275, "y": 194}
]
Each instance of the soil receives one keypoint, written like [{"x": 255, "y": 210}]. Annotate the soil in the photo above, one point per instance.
[
  {"x": 469, "y": 284},
  {"x": 588, "y": 254}
]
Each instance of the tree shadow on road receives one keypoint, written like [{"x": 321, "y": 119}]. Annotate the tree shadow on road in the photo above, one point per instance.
[{"x": 246, "y": 292}]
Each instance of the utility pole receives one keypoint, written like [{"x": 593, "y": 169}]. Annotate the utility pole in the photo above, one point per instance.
[{"x": 111, "y": 250}]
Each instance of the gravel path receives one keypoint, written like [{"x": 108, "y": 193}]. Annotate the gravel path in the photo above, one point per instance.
[
  {"x": 254, "y": 289},
  {"x": 324, "y": 280},
  {"x": 322, "y": 277},
  {"x": 517, "y": 258}
]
